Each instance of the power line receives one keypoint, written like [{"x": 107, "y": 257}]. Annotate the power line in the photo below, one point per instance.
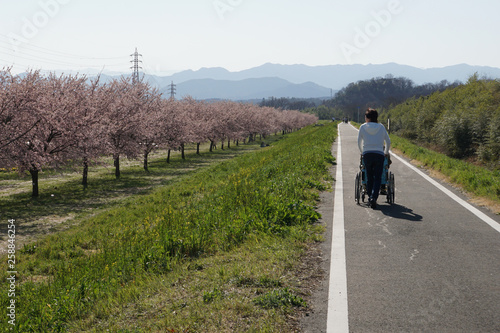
[
  {"x": 36, "y": 48},
  {"x": 149, "y": 74},
  {"x": 33, "y": 53},
  {"x": 50, "y": 61}
]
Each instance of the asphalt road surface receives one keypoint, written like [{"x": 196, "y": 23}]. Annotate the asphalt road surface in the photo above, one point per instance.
[{"x": 427, "y": 263}]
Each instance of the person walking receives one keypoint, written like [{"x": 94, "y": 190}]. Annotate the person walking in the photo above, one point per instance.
[{"x": 374, "y": 145}]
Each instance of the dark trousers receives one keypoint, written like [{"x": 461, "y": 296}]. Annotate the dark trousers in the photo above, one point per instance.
[{"x": 374, "y": 165}]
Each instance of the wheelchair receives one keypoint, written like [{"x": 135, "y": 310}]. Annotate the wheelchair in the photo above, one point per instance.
[{"x": 388, "y": 184}]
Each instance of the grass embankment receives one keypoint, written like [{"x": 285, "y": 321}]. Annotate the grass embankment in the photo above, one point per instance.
[
  {"x": 476, "y": 180},
  {"x": 211, "y": 252},
  {"x": 64, "y": 202}
]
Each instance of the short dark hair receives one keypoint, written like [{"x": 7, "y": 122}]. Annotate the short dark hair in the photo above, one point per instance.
[{"x": 372, "y": 114}]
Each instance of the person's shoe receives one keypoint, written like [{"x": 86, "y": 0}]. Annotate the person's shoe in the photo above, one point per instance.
[{"x": 373, "y": 203}]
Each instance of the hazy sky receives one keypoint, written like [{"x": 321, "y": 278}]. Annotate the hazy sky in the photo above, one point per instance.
[{"x": 174, "y": 35}]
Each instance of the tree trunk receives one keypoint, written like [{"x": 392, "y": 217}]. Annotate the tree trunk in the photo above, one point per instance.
[
  {"x": 85, "y": 173},
  {"x": 228, "y": 143},
  {"x": 198, "y": 148},
  {"x": 211, "y": 146},
  {"x": 222, "y": 144},
  {"x": 34, "y": 181},
  {"x": 182, "y": 152},
  {"x": 168, "y": 156},
  {"x": 117, "y": 166},
  {"x": 146, "y": 161}
]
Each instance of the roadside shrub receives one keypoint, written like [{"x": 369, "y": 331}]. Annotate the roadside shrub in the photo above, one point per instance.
[{"x": 279, "y": 298}]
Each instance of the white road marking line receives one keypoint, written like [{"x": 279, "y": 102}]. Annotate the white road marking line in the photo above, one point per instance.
[
  {"x": 492, "y": 223},
  {"x": 485, "y": 218},
  {"x": 337, "y": 317}
]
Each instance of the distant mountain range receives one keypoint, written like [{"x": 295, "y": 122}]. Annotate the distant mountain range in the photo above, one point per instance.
[
  {"x": 300, "y": 81},
  {"x": 249, "y": 89}
]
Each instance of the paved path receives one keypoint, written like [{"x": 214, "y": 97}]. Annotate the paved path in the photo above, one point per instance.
[{"x": 423, "y": 264}]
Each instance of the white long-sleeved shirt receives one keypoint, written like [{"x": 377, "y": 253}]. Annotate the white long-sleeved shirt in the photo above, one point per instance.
[{"x": 371, "y": 138}]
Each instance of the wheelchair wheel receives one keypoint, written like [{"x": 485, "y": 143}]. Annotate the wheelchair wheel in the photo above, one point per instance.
[
  {"x": 357, "y": 187},
  {"x": 391, "y": 189}
]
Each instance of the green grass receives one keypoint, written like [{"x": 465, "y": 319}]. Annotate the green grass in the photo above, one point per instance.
[
  {"x": 63, "y": 201},
  {"x": 474, "y": 179},
  {"x": 279, "y": 298},
  {"x": 61, "y": 190},
  {"x": 189, "y": 255}
]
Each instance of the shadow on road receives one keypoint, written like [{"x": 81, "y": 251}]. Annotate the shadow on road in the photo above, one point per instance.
[{"x": 399, "y": 212}]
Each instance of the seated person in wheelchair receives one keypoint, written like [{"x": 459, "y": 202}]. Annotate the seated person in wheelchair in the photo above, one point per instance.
[{"x": 374, "y": 145}]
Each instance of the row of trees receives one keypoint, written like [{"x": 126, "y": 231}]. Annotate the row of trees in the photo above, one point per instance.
[
  {"x": 53, "y": 120},
  {"x": 285, "y": 103},
  {"x": 462, "y": 122},
  {"x": 381, "y": 93},
  {"x": 324, "y": 112}
]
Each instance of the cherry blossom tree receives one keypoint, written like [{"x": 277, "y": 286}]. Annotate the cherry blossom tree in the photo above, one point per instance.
[
  {"x": 185, "y": 116},
  {"x": 123, "y": 117},
  {"x": 198, "y": 119},
  {"x": 152, "y": 125},
  {"x": 18, "y": 97},
  {"x": 210, "y": 117},
  {"x": 52, "y": 105},
  {"x": 229, "y": 122},
  {"x": 172, "y": 124},
  {"x": 90, "y": 130},
  {"x": 48, "y": 121}
]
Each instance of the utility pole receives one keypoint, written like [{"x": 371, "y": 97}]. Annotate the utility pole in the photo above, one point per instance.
[
  {"x": 172, "y": 90},
  {"x": 135, "y": 67}
]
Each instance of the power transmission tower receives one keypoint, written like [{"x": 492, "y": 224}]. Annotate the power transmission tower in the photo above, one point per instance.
[
  {"x": 172, "y": 90},
  {"x": 135, "y": 67}
]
